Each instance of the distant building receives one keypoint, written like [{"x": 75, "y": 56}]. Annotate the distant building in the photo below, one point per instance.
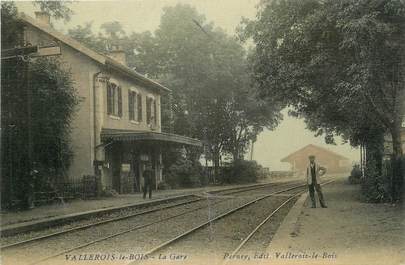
[{"x": 333, "y": 162}]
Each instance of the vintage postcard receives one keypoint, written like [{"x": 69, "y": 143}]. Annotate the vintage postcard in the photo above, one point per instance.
[{"x": 203, "y": 132}]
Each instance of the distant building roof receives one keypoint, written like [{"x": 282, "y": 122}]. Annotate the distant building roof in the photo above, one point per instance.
[
  {"x": 100, "y": 58},
  {"x": 312, "y": 146}
]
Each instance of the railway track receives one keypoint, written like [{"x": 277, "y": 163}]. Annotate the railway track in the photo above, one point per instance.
[
  {"x": 246, "y": 240},
  {"x": 33, "y": 240},
  {"x": 194, "y": 229},
  {"x": 90, "y": 225},
  {"x": 115, "y": 219},
  {"x": 160, "y": 248}
]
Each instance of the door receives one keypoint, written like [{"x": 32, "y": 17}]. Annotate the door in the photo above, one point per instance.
[
  {"x": 116, "y": 168},
  {"x": 135, "y": 173}
]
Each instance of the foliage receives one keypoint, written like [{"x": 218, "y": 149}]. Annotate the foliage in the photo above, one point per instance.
[
  {"x": 241, "y": 171},
  {"x": 139, "y": 48},
  {"x": 113, "y": 29},
  {"x": 11, "y": 28},
  {"x": 322, "y": 58},
  {"x": 53, "y": 101},
  {"x": 85, "y": 35},
  {"x": 41, "y": 126},
  {"x": 183, "y": 173},
  {"x": 376, "y": 187},
  {"x": 337, "y": 63},
  {"x": 57, "y": 9},
  {"x": 212, "y": 98}
]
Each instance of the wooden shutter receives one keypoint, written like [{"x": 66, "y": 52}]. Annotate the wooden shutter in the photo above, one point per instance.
[
  {"x": 119, "y": 102},
  {"x": 139, "y": 106},
  {"x": 154, "y": 112},
  {"x": 109, "y": 99},
  {"x": 131, "y": 105},
  {"x": 148, "y": 110}
]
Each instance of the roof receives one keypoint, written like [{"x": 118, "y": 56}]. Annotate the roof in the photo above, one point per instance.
[
  {"x": 285, "y": 159},
  {"x": 129, "y": 136},
  {"x": 96, "y": 56}
]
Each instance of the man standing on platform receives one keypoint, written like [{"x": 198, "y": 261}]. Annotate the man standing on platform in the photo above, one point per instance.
[
  {"x": 314, "y": 172},
  {"x": 147, "y": 180}
]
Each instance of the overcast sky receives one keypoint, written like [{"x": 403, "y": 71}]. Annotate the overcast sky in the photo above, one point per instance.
[{"x": 142, "y": 15}]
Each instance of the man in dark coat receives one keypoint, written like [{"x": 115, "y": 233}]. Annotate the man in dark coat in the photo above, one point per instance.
[
  {"x": 147, "y": 181},
  {"x": 314, "y": 172}
]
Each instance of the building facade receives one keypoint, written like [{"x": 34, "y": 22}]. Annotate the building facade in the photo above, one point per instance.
[{"x": 116, "y": 129}]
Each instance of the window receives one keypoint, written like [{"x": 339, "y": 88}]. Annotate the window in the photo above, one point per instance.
[
  {"x": 114, "y": 99},
  {"x": 132, "y": 104},
  {"x": 154, "y": 112},
  {"x": 151, "y": 111}
]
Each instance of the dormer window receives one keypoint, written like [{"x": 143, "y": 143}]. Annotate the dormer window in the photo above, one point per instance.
[{"x": 114, "y": 99}]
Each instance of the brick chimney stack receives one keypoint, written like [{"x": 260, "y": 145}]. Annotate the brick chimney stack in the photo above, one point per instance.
[
  {"x": 43, "y": 17},
  {"x": 118, "y": 54}
]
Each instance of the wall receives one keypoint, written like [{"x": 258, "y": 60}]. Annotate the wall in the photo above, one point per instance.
[
  {"x": 123, "y": 123},
  {"x": 85, "y": 135}
]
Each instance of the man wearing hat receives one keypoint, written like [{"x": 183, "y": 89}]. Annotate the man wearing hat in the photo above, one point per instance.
[
  {"x": 147, "y": 180},
  {"x": 314, "y": 172}
]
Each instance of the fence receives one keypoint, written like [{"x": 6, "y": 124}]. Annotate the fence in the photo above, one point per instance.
[{"x": 84, "y": 188}]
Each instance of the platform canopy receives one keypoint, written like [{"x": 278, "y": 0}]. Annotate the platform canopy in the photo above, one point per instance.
[{"x": 130, "y": 136}]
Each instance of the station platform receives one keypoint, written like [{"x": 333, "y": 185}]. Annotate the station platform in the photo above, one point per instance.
[
  {"x": 80, "y": 205},
  {"x": 348, "y": 232},
  {"x": 48, "y": 214}
]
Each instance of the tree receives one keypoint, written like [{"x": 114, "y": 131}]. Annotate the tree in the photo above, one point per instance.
[
  {"x": 208, "y": 72},
  {"x": 57, "y": 9},
  {"x": 53, "y": 101},
  {"x": 337, "y": 63},
  {"x": 113, "y": 29},
  {"x": 85, "y": 35},
  {"x": 139, "y": 48},
  {"x": 143, "y": 55},
  {"x": 248, "y": 115},
  {"x": 11, "y": 28},
  {"x": 38, "y": 100}
]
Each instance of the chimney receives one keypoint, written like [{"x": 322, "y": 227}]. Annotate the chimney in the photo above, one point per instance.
[
  {"x": 43, "y": 17},
  {"x": 118, "y": 54}
]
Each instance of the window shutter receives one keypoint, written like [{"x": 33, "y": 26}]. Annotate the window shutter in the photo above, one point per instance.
[
  {"x": 148, "y": 110},
  {"x": 109, "y": 99},
  {"x": 154, "y": 112},
  {"x": 119, "y": 102},
  {"x": 130, "y": 105},
  {"x": 139, "y": 106}
]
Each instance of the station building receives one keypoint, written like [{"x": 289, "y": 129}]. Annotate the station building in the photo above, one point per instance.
[{"x": 116, "y": 129}]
